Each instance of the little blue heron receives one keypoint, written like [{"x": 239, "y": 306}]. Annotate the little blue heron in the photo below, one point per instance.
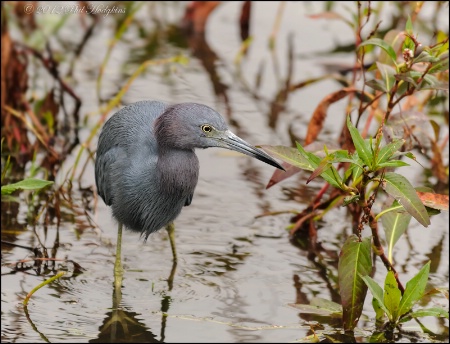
[{"x": 146, "y": 168}]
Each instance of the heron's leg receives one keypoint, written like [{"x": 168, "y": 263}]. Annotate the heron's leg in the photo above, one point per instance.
[
  {"x": 118, "y": 269},
  {"x": 171, "y": 230}
]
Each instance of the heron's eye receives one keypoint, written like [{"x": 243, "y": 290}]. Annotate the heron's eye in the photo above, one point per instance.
[{"x": 207, "y": 128}]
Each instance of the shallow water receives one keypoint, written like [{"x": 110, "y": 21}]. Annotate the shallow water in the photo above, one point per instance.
[{"x": 237, "y": 274}]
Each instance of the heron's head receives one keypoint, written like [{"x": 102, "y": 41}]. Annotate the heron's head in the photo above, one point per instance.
[{"x": 191, "y": 125}]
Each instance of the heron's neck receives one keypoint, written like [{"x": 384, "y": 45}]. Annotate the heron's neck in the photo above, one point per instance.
[{"x": 178, "y": 169}]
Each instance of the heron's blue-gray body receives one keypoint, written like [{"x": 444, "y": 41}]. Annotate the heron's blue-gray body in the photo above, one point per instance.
[
  {"x": 146, "y": 168},
  {"x": 143, "y": 197}
]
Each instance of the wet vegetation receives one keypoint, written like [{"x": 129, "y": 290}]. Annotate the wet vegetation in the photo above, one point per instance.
[{"x": 387, "y": 164}]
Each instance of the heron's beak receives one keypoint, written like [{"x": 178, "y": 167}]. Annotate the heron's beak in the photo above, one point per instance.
[{"x": 233, "y": 142}]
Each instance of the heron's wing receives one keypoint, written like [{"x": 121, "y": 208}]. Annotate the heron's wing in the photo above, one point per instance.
[
  {"x": 103, "y": 166},
  {"x": 189, "y": 200},
  {"x": 126, "y": 134}
]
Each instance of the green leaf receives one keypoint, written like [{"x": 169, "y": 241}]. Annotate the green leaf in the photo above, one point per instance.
[
  {"x": 304, "y": 160},
  {"x": 350, "y": 199},
  {"x": 326, "y": 163},
  {"x": 443, "y": 86},
  {"x": 425, "y": 56},
  {"x": 348, "y": 173},
  {"x": 409, "y": 26},
  {"x": 289, "y": 155},
  {"x": 441, "y": 65},
  {"x": 323, "y": 166},
  {"x": 355, "y": 261},
  {"x": 392, "y": 296},
  {"x": 401, "y": 189},
  {"x": 429, "y": 312},
  {"x": 388, "y": 73},
  {"x": 356, "y": 167},
  {"x": 442, "y": 37},
  {"x": 377, "y": 293},
  {"x": 383, "y": 45},
  {"x": 406, "y": 77},
  {"x": 403, "y": 87},
  {"x": 387, "y": 151},
  {"x": 414, "y": 290},
  {"x": 377, "y": 85},
  {"x": 392, "y": 163},
  {"x": 408, "y": 43},
  {"x": 412, "y": 157},
  {"x": 395, "y": 224},
  {"x": 26, "y": 184},
  {"x": 333, "y": 307},
  {"x": 320, "y": 307},
  {"x": 341, "y": 155},
  {"x": 428, "y": 81},
  {"x": 379, "y": 311},
  {"x": 395, "y": 39},
  {"x": 9, "y": 198},
  {"x": 329, "y": 175},
  {"x": 362, "y": 147},
  {"x": 357, "y": 172},
  {"x": 356, "y": 160}
]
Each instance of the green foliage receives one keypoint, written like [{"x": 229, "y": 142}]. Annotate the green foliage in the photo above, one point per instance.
[
  {"x": 431, "y": 312},
  {"x": 329, "y": 174},
  {"x": 392, "y": 296},
  {"x": 321, "y": 307},
  {"x": 414, "y": 290},
  {"x": 377, "y": 293},
  {"x": 26, "y": 184},
  {"x": 364, "y": 161},
  {"x": 362, "y": 147},
  {"x": 383, "y": 45},
  {"x": 290, "y": 155},
  {"x": 355, "y": 264},
  {"x": 355, "y": 261},
  {"x": 388, "y": 151},
  {"x": 395, "y": 222},
  {"x": 401, "y": 189},
  {"x": 398, "y": 308}
]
